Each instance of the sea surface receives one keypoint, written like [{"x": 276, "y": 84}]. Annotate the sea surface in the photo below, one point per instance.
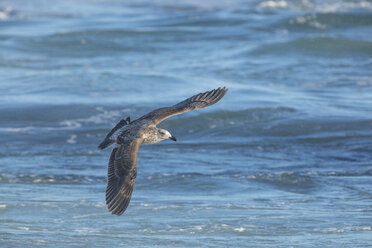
[{"x": 283, "y": 160}]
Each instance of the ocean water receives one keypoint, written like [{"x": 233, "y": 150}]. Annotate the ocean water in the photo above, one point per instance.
[{"x": 283, "y": 160}]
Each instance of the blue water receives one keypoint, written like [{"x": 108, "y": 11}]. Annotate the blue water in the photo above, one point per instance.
[{"x": 283, "y": 160}]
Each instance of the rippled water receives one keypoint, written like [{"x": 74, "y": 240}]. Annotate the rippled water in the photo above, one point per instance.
[{"x": 284, "y": 160}]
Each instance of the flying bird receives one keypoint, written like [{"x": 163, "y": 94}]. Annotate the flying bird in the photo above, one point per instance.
[{"x": 129, "y": 135}]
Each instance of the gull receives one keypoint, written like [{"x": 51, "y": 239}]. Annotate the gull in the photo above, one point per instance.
[{"x": 129, "y": 135}]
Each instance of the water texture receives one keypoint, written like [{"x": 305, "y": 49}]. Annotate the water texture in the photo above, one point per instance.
[{"x": 283, "y": 160}]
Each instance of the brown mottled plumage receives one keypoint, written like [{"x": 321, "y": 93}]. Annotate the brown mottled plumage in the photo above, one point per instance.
[{"x": 128, "y": 136}]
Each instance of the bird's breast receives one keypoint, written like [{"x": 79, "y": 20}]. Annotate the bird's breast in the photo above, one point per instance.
[
  {"x": 149, "y": 136},
  {"x": 150, "y": 140}
]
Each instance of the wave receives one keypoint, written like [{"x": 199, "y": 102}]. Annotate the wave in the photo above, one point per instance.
[
  {"x": 364, "y": 173},
  {"x": 72, "y": 121},
  {"x": 208, "y": 228},
  {"x": 46, "y": 118},
  {"x": 338, "y": 230},
  {"x": 293, "y": 181},
  {"x": 318, "y": 46},
  {"x": 289, "y": 181},
  {"x": 321, "y": 6},
  {"x": 228, "y": 181},
  {"x": 8, "y": 13},
  {"x": 105, "y": 42},
  {"x": 50, "y": 179},
  {"x": 325, "y": 21}
]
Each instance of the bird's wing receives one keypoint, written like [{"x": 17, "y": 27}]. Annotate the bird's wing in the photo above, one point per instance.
[
  {"x": 122, "y": 170},
  {"x": 198, "y": 101}
]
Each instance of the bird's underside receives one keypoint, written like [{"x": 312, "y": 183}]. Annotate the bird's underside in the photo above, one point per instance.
[{"x": 128, "y": 136}]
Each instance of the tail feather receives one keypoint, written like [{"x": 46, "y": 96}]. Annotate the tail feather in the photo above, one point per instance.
[
  {"x": 108, "y": 141},
  {"x": 105, "y": 143}
]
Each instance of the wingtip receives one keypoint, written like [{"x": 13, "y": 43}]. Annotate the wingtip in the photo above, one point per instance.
[
  {"x": 219, "y": 93},
  {"x": 117, "y": 213},
  {"x": 223, "y": 88}
]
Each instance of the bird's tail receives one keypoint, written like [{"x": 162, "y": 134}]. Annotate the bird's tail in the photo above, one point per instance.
[
  {"x": 108, "y": 140},
  {"x": 105, "y": 143}
]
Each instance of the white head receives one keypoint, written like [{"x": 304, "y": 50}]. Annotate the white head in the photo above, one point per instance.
[{"x": 164, "y": 134}]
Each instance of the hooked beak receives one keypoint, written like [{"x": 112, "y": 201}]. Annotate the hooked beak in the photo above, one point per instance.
[{"x": 173, "y": 138}]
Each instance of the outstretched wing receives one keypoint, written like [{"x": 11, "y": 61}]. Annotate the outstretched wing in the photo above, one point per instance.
[
  {"x": 198, "y": 101},
  {"x": 122, "y": 170}
]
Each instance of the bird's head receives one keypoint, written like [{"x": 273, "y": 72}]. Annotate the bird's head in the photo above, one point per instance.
[{"x": 164, "y": 134}]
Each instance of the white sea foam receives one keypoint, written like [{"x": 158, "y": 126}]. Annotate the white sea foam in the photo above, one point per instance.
[
  {"x": 198, "y": 227},
  {"x": 6, "y": 13},
  {"x": 273, "y": 4},
  {"x": 94, "y": 119},
  {"x": 16, "y": 129},
  {"x": 362, "y": 228},
  {"x": 72, "y": 139},
  {"x": 69, "y": 124},
  {"x": 25, "y": 228},
  {"x": 41, "y": 241},
  {"x": 329, "y": 6},
  {"x": 341, "y": 6},
  {"x": 239, "y": 229},
  {"x": 81, "y": 216},
  {"x": 86, "y": 230},
  {"x": 310, "y": 20},
  {"x": 344, "y": 229},
  {"x": 99, "y": 204}
]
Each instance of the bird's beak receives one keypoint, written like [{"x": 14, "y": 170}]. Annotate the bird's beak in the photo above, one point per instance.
[{"x": 173, "y": 138}]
